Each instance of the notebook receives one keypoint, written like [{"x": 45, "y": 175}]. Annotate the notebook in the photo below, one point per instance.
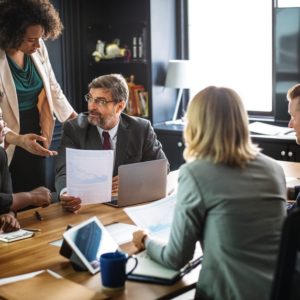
[
  {"x": 15, "y": 235},
  {"x": 150, "y": 271},
  {"x": 141, "y": 182}
]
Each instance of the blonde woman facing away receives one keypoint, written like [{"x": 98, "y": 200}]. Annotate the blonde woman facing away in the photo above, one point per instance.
[{"x": 230, "y": 197}]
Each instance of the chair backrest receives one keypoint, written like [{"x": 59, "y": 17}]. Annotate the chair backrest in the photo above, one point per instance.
[{"x": 286, "y": 284}]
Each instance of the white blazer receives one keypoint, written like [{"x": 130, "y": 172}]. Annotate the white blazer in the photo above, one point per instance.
[{"x": 51, "y": 101}]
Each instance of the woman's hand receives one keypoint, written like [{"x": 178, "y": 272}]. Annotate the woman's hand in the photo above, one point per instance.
[
  {"x": 30, "y": 143},
  {"x": 8, "y": 223},
  {"x": 139, "y": 239},
  {"x": 73, "y": 115}
]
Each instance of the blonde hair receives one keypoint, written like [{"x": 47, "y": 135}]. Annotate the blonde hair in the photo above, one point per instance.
[
  {"x": 293, "y": 94},
  {"x": 217, "y": 128}
]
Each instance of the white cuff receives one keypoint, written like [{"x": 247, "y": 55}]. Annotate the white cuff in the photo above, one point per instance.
[{"x": 64, "y": 190}]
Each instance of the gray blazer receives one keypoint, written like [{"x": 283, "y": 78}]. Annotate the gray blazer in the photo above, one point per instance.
[
  {"x": 136, "y": 142},
  {"x": 237, "y": 216}
]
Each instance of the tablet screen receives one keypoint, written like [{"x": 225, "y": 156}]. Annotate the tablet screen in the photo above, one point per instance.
[{"x": 88, "y": 241}]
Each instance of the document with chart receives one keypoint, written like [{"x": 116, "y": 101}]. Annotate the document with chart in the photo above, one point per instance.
[
  {"x": 89, "y": 174},
  {"x": 158, "y": 218},
  {"x": 157, "y": 221}
]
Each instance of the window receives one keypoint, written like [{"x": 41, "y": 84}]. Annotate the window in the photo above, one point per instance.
[
  {"x": 287, "y": 3},
  {"x": 230, "y": 43}
]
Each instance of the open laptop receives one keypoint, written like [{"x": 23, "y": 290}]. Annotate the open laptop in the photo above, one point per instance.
[{"x": 141, "y": 182}]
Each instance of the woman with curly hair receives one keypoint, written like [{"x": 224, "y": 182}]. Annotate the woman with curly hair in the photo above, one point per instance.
[{"x": 30, "y": 96}]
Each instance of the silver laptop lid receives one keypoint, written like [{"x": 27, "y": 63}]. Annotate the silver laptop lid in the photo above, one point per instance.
[{"x": 142, "y": 182}]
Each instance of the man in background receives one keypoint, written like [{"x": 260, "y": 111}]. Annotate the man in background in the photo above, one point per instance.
[
  {"x": 293, "y": 96},
  {"x": 104, "y": 127}
]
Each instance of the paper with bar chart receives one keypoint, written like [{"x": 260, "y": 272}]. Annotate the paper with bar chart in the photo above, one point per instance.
[
  {"x": 155, "y": 217},
  {"x": 89, "y": 174}
]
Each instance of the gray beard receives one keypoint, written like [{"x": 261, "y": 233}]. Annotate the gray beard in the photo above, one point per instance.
[{"x": 99, "y": 122}]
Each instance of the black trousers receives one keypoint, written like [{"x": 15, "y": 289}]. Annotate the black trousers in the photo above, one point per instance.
[{"x": 28, "y": 171}]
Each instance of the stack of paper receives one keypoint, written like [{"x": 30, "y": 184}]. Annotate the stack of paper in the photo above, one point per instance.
[{"x": 267, "y": 129}]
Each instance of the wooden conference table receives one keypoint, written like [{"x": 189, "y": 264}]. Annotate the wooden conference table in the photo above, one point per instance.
[{"x": 36, "y": 253}]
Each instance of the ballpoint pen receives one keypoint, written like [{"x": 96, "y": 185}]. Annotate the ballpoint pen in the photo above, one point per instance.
[
  {"x": 191, "y": 265},
  {"x": 38, "y": 216},
  {"x": 32, "y": 229}
]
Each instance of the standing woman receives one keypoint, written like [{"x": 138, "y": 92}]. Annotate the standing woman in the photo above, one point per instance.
[
  {"x": 230, "y": 197},
  {"x": 29, "y": 93}
]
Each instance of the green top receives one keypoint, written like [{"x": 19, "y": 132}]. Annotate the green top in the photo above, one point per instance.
[
  {"x": 27, "y": 81},
  {"x": 237, "y": 215}
]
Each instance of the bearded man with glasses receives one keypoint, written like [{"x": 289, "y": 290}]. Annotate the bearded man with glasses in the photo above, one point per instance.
[{"x": 106, "y": 126}]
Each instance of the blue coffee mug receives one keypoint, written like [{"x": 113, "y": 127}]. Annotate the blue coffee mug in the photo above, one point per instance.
[{"x": 113, "y": 269}]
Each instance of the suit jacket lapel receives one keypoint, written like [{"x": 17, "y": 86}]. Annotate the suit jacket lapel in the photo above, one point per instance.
[
  {"x": 122, "y": 144},
  {"x": 9, "y": 85},
  {"x": 93, "y": 141}
]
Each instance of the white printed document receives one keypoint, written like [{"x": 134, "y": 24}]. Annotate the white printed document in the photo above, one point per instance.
[
  {"x": 89, "y": 174},
  {"x": 268, "y": 129},
  {"x": 156, "y": 217},
  {"x": 121, "y": 232}
]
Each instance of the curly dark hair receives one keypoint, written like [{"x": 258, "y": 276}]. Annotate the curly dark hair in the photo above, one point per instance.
[{"x": 17, "y": 15}]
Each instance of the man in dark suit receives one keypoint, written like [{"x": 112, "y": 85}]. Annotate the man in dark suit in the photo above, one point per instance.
[
  {"x": 105, "y": 126},
  {"x": 293, "y": 96}
]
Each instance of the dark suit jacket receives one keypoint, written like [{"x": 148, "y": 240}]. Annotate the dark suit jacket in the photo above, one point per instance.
[
  {"x": 6, "y": 192},
  {"x": 136, "y": 142}
]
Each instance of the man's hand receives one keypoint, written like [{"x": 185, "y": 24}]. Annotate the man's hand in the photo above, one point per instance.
[
  {"x": 115, "y": 186},
  {"x": 70, "y": 203},
  {"x": 139, "y": 239},
  {"x": 73, "y": 115},
  {"x": 40, "y": 196},
  {"x": 8, "y": 223}
]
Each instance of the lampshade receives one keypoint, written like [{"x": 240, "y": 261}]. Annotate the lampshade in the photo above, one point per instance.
[{"x": 179, "y": 74}]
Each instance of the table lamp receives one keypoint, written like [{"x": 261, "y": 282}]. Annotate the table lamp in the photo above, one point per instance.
[{"x": 179, "y": 76}]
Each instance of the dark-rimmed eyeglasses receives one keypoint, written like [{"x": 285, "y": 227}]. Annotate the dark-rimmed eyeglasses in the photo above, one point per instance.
[{"x": 98, "y": 101}]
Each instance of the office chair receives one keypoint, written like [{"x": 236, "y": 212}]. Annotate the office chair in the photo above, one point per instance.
[{"x": 286, "y": 283}]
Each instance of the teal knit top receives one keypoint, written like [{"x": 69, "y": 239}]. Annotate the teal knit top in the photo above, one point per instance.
[{"x": 27, "y": 81}]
